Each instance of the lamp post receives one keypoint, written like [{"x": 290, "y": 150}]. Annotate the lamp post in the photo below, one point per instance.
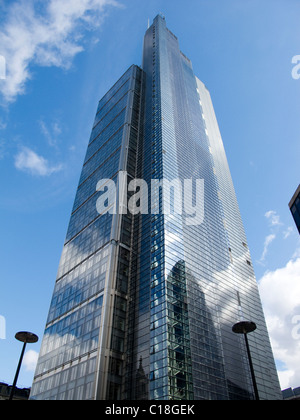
[
  {"x": 26, "y": 338},
  {"x": 246, "y": 327}
]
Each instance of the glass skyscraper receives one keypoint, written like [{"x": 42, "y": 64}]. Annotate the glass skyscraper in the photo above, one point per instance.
[
  {"x": 145, "y": 301},
  {"x": 294, "y": 206}
]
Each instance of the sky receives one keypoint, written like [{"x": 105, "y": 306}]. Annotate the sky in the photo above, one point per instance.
[{"x": 59, "y": 57}]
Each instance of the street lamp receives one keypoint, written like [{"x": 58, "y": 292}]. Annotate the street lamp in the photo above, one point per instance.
[
  {"x": 26, "y": 338},
  {"x": 246, "y": 327}
]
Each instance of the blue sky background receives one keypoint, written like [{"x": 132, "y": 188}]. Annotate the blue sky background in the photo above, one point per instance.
[{"x": 62, "y": 56}]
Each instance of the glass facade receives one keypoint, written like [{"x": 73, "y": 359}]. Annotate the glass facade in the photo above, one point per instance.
[
  {"x": 295, "y": 207},
  {"x": 144, "y": 305},
  {"x": 92, "y": 282}
]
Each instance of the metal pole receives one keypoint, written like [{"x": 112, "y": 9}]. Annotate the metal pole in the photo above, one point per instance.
[
  {"x": 17, "y": 373},
  {"x": 246, "y": 327},
  {"x": 251, "y": 368}
]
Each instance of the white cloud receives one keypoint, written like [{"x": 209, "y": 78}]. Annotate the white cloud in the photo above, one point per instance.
[
  {"x": 51, "y": 133},
  {"x": 287, "y": 232},
  {"x": 280, "y": 294},
  {"x": 273, "y": 217},
  {"x": 44, "y": 33},
  {"x": 28, "y": 161},
  {"x": 275, "y": 226},
  {"x": 269, "y": 239},
  {"x": 30, "y": 360}
]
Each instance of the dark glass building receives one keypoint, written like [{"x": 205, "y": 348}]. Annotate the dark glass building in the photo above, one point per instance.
[
  {"x": 146, "y": 292},
  {"x": 294, "y": 206}
]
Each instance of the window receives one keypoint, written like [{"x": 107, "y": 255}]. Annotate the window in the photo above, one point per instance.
[{"x": 230, "y": 254}]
